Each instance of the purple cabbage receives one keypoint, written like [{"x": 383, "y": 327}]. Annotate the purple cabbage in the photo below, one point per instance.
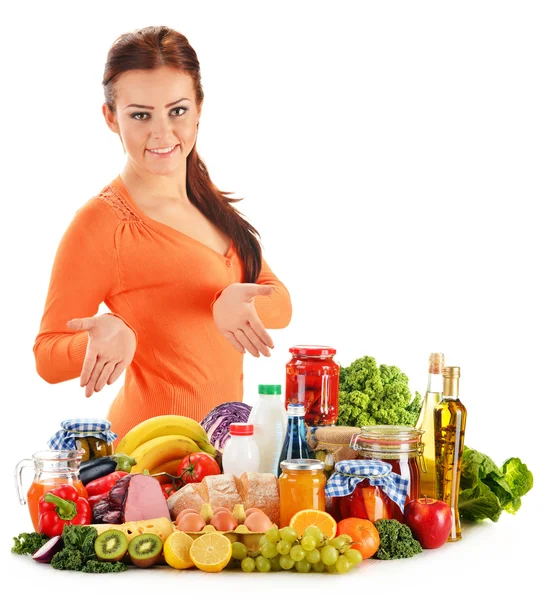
[{"x": 217, "y": 422}]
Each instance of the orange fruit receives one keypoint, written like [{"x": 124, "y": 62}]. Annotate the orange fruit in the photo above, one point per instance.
[
  {"x": 211, "y": 552},
  {"x": 364, "y": 534},
  {"x": 318, "y": 518}
]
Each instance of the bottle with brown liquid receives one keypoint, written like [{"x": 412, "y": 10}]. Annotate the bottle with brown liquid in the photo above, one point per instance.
[
  {"x": 450, "y": 418},
  {"x": 425, "y": 421}
]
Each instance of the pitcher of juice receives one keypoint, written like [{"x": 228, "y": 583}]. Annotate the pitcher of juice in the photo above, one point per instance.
[{"x": 51, "y": 469}]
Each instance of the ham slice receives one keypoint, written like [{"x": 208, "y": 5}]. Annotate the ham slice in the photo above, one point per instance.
[{"x": 134, "y": 497}]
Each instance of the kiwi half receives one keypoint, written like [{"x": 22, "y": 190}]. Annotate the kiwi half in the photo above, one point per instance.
[
  {"x": 145, "y": 550},
  {"x": 111, "y": 545}
]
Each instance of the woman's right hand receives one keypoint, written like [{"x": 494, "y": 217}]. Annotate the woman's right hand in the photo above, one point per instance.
[{"x": 110, "y": 350}]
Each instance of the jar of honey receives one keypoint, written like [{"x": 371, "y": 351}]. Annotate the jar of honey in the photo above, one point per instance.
[
  {"x": 401, "y": 447},
  {"x": 51, "y": 469},
  {"x": 302, "y": 486},
  {"x": 312, "y": 379}
]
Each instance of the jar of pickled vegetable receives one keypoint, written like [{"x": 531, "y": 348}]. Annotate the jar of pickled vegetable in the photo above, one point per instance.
[
  {"x": 302, "y": 486},
  {"x": 401, "y": 447},
  {"x": 312, "y": 379},
  {"x": 93, "y": 437}
]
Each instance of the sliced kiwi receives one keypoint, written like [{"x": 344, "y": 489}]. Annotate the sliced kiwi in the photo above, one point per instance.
[
  {"x": 111, "y": 545},
  {"x": 145, "y": 550}
]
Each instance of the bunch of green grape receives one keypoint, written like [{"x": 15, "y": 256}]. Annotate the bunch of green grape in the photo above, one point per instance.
[{"x": 283, "y": 550}]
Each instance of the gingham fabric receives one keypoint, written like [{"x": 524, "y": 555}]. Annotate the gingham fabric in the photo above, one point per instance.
[
  {"x": 65, "y": 438},
  {"x": 348, "y": 473}
]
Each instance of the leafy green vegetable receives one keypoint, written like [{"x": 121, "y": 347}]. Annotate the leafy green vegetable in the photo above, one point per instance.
[
  {"x": 486, "y": 490},
  {"x": 96, "y": 566},
  {"x": 517, "y": 476},
  {"x": 396, "y": 540},
  {"x": 78, "y": 553},
  {"x": 28, "y": 543},
  {"x": 68, "y": 559},
  {"x": 372, "y": 395}
]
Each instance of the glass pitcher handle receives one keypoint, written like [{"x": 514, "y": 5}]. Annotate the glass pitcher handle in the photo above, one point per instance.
[{"x": 22, "y": 464}]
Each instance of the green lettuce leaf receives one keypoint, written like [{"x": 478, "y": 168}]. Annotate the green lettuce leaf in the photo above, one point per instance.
[{"x": 479, "y": 503}]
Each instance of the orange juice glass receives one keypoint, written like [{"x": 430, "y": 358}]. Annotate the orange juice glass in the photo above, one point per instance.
[
  {"x": 302, "y": 486},
  {"x": 51, "y": 469}
]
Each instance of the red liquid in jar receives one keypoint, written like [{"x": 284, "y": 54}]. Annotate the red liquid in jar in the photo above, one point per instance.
[
  {"x": 313, "y": 380},
  {"x": 371, "y": 502}
]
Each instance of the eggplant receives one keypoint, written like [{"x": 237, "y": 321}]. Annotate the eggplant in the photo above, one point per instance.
[
  {"x": 49, "y": 549},
  {"x": 95, "y": 468}
]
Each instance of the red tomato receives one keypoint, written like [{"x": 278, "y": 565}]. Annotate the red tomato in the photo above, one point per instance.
[
  {"x": 194, "y": 467},
  {"x": 168, "y": 489}
]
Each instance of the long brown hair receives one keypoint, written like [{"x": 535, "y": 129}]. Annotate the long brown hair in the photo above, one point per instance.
[{"x": 153, "y": 47}]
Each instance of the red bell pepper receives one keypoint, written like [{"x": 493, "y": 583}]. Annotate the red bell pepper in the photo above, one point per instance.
[
  {"x": 94, "y": 499},
  {"x": 62, "y": 506},
  {"x": 104, "y": 484}
]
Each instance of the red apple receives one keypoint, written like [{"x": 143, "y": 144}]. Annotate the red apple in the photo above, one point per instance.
[{"x": 429, "y": 521}]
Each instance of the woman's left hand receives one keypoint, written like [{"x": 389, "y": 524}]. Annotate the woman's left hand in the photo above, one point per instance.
[{"x": 236, "y": 318}]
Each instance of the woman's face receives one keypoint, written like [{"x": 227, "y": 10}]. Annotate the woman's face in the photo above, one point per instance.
[{"x": 155, "y": 110}]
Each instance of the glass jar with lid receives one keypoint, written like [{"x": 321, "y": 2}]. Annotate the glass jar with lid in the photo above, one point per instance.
[
  {"x": 402, "y": 448},
  {"x": 312, "y": 379},
  {"x": 302, "y": 486}
]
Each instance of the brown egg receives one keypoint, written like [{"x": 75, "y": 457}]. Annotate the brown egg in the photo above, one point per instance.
[
  {"x": 250, "y": 511},
  {"x": 224, "y": 521},
  {"x": 258, "y": 521},
  {"x": 220, "y": 509},
  {"x": 191, "y": 522},
  {"x": 187, "y": 511}
]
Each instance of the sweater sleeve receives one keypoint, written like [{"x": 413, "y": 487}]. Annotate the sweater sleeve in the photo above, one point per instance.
[
  {"x": 84, "y": 274},
  {"x": 275, "y": 311}
]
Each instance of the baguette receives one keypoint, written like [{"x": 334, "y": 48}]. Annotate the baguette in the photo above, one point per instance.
[
  {"x": 221, "y": 490},
  {"x": 261, "y": 490},
  {"x": 189, "y": 496}
]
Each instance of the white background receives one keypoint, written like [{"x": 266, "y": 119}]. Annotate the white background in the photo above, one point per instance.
[{"x": 389, "y": 153}]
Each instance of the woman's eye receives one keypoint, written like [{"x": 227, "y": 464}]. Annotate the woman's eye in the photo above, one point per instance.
[{"x": 142, "y": 116}]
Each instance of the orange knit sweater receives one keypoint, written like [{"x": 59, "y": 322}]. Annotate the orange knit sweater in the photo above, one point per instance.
[{"x": 162, "y": 283}]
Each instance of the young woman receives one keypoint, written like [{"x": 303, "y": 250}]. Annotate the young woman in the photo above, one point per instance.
[{"x": 176, "y": 264}]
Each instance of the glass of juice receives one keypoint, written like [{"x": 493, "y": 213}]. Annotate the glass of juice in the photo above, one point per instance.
[{"x": 51, "y": 469}]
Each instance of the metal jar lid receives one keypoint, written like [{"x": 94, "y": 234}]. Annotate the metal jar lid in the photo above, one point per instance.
[
  {"x": 389, "y": 434},
  {"x": 302, "y": 464}
]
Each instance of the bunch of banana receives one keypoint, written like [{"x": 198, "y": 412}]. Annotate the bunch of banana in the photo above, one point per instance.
[{"x": 164, "y": 439}]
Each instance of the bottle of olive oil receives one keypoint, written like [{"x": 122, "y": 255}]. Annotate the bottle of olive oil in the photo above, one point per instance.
[
  {"x": 425, "y": 421},
  {"x": 450, "y": 417}
]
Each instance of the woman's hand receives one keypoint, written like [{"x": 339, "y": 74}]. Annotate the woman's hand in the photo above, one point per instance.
[
  {"x": 236, "y": 318},
  {"x": 110, "y": 350}
]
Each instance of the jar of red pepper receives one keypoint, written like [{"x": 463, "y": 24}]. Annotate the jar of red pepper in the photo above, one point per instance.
[{"x": 312, "y": 379}]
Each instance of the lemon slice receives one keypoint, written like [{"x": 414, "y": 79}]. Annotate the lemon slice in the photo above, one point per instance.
[
  {"x": 211, "y": 552},
  {"x": 177, "y": 550}
]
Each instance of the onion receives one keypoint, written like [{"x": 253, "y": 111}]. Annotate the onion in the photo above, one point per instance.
[{"x": 49, "y": 549}]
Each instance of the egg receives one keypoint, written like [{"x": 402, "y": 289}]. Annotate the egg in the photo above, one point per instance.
[
  {"x": 190, "y": 522},
  {"x": 187, "y": 511},
  {"x": 258, "y": 521},
  {"x": 220, "y": 509},
  {"x": 250, "y": 511},
  {"x": 224, "y": 521}
]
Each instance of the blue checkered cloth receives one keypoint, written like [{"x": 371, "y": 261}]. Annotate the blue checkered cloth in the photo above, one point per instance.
[
  {"x": 65, "y": 438},
  {"x": 348, "y": 473}
]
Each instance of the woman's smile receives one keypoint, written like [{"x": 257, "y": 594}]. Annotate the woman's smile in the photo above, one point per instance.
[{"x": 163, "y": 152}]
